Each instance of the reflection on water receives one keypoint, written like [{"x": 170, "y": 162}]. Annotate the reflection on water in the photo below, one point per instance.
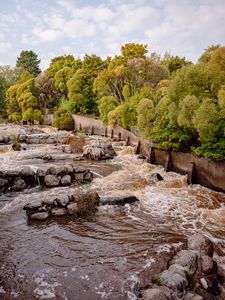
[{"x": 96, "y": 257}]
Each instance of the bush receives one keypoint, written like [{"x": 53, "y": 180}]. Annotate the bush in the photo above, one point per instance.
[
  {"x": 63, "y": 120},
  {"x": 76, "y": 143}
]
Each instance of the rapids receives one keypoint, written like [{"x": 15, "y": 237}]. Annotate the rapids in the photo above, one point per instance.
[{"x": 100, "y": 256}]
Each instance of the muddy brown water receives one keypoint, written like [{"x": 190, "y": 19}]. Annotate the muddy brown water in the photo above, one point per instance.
[{"x": 101, "y": 256}]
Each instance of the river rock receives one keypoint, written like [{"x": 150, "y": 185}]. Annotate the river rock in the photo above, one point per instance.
[
  {"x": 3, "y": 182},
  {"x": 200, "y": 244},
  {"x": 161, "y": 293},
  {"x": 19, "y": 184},
  {"x": 97, "y": 150},
  {"x": 118, "y": 200},
  {"x": 206, "y": 264},
  {"x": 39, "y": 216},
  {"x": 186, "y": 258},
  {"x": 33, "y": 205},
  {"x": 178, "y": 269},
  {"x": 63, "y": 200},
  {"x": 173, "y": 280},
  {"x": 156, "y": 177},
  {"x": 73, "y": 209},
  {"x": 42, "y": 172},
  {"x": 58, "y": 212},
  {"x": 52, "y": 180},
  {"x": 27, "y": 171},
  {"x": 66, "y": 180},
  {"x": 13, "y": 172},
  {"x": 88, "y": 176},
  {"x": 192, "y": 296}
]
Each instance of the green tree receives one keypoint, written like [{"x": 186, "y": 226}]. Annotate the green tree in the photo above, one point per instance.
[{"x": 28, "y": 60}]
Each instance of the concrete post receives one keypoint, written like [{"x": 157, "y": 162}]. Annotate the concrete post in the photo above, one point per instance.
[
  {"x": 112, "y": 134},
  {"x": 138, "y": 148},
  {"x": 127, "y": 141},
  {"x": 191, "y": 176},
  {"x": 92, "y": 130},
  {"x": 151, "y": 159},
  {"x": 106, "y": 132},
  {"x": 119, "y": 136},
  {"x": 80, "y": 127},
  {"x": 168, "y": 163}
]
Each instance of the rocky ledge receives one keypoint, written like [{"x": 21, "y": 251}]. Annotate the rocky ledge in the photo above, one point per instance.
[
  {"x": 97, "y": 150},
  {"x": 51, "y": 176},
  {"x": 77, "y": 204},
  {"x": 192, "y": 274}
]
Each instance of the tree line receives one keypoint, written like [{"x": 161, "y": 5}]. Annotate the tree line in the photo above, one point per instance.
[{"x": 175, "y": 103}]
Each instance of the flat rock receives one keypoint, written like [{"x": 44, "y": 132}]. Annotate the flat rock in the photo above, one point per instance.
[
  {"x": 13, "y": 172},
  {"x": 58, "y": 212},
  {"x": 118, "y": 200},
  {"x": 39, "y": 216},
  {"x": 52, "y": 180}
]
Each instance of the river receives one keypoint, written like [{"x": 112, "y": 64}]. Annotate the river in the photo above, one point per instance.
[{"x": 101, "y": 256}]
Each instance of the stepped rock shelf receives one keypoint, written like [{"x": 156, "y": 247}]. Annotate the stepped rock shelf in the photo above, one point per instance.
[{"x": 51, "y": 176}]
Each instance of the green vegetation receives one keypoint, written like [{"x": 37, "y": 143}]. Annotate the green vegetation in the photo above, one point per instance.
[
  {"x": 174, "y": 103},
  {"x": 63, "y": 120}
]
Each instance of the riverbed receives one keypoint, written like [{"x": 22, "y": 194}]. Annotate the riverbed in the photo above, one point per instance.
[{"x": 101, "y": 256}]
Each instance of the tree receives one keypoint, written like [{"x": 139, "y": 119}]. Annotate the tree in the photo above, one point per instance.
[
  {"x": 47, "y": 94},
  {"x": 28, "y": 60}
]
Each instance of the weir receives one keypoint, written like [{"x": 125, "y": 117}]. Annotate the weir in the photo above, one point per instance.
[{"x": 202, "y": 171}]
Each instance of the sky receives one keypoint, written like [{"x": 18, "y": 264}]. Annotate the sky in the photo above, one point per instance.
[{"x": 57, "y": 27}]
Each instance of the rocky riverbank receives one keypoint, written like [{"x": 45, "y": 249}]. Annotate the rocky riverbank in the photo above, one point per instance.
[{"x": 191, "y": 274}]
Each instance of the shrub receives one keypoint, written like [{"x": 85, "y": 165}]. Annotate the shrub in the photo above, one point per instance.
[
  {"x": 63, "y": 120},
  {"x": 76, "y": 143}
]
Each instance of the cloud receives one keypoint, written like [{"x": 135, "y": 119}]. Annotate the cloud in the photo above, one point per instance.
[
  {"x": 46, "y": 35},
  {"x": 5, "y": 47},
  {"x": 182, "y": 27}
]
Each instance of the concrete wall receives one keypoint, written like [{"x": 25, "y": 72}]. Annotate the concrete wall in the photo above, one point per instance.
[{"x": 200, "y": 170}]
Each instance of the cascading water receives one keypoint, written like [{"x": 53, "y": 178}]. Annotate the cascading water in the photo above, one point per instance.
[{"x": 100, "y": 257}]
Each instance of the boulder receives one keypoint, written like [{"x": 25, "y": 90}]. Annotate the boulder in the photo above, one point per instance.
[
  {"x": 202, "y": 245},
  {"x": 88, "y": 176},
  {"x": 186, "y": 258},
  {"x": 19, "y": 184},
  {"x": 39, "y": 216},
  {"x": 73, "y": 209},
  {"x": 192, "y": 296},
  {"x": 58, "y": 212},
  {"x": 27, "y": 171},
  {"x": 13, "y": 172},
  {"x": 161, "y": 293},
  {"x": 33, "y": 205},
  {"x": 52, "y": 180},
  {"x": 66, "y": 180},
  {"x": 173, "y": 280},
  {"x": 63, "y": 200},
  {"x": 118, "y": 200},
  {"x": 206, "y": 265},
  {"x": 42, "y": 172},
  {"x": 86, "y": 201},
  {"x": 97, "y": 150}
]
